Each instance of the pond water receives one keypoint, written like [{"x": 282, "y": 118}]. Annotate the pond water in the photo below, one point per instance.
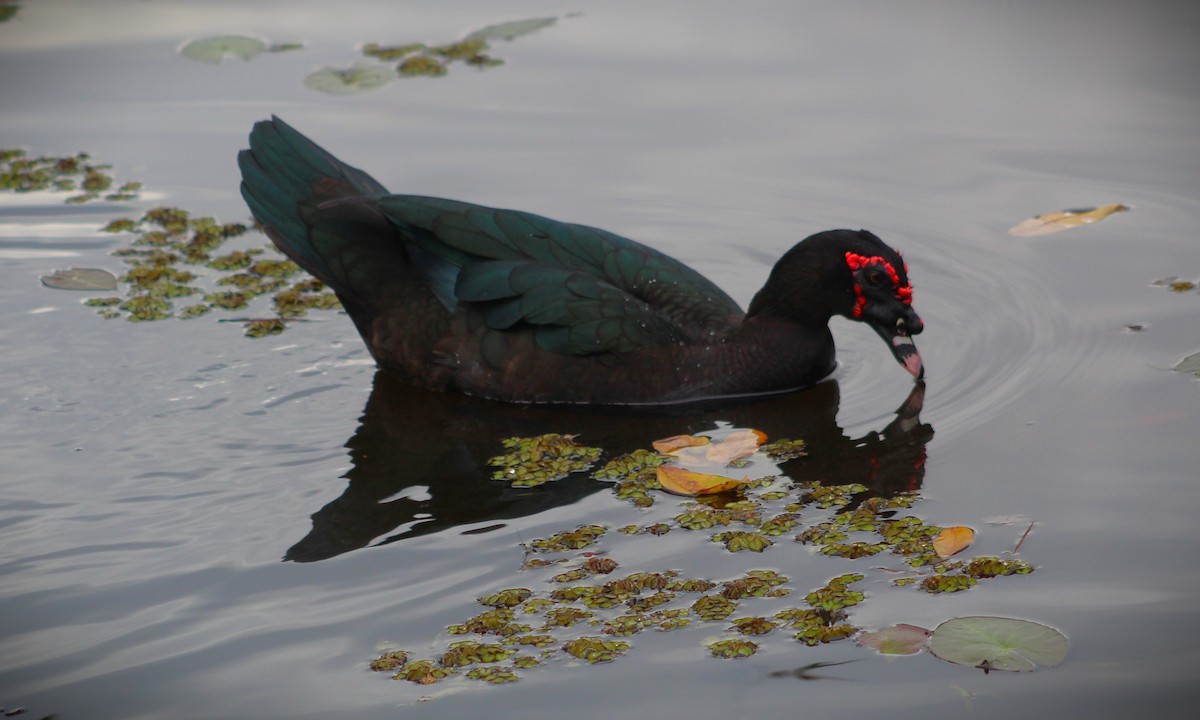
[{"x": 196, "y": 524}]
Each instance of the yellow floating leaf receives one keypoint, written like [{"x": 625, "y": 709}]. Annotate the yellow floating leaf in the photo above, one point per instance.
[
  {"x": 1059, "y": 221},
  {"x": 682, "y": 481},
  {"x": 668, "y": 446},
  {"x": 953, "y": 540}
]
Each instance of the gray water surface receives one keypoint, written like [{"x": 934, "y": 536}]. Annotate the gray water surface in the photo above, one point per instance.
[{"x": 157, "y": 554}]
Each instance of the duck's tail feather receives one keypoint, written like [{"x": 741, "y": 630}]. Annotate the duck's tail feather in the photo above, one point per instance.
[{"x": 315, "y": 208}]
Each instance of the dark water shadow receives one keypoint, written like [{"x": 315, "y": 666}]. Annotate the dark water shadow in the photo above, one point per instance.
[{"x": 419, "y": 458}]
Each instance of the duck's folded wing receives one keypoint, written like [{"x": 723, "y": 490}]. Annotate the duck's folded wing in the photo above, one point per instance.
[
  {"x": 570, "y": 312},
  {"x": 449, "y": 235}
]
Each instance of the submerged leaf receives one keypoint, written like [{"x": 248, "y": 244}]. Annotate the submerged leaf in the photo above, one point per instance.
[
  {"x": 1190, "y": 364},
  {"x": 995, "y": 643},
  {"x": 511, "y": 30},
  {"x": 214, "y": 50},
  {"x": 899, "y": 639},
  {"x": 1059, "y": 221},
  {"x": 360, "y": 78},
  {"x": 81, "y": 279},
  {"x": 953, "y": 540},
  {"x": 688, "y": 482}
]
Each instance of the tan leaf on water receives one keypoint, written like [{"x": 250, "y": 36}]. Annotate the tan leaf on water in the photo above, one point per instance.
[
  {"x": 668, "y": 446},
  {"x": 682, "y": 481},
  {"x": 953, "y": 540},
  {"x": 737, "y": 444},
  {"x": 1059, "y": 221}
]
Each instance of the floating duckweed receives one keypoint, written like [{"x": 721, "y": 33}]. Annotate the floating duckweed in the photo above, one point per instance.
[
  {"x": 120, "y": 225},
  {"x": 533, "y": 563},
  {"x": 754, "y": 625},
  {"x": 495, "y": 675},
  {"x": 627, "y": 624},
  {"x": 600, "y": 565},
  {"x": 713, "y": 607},
  {"x": 461, "y": 50},
  {"x": 565, "y": 617},
  {"x": 783, "y": 450},
  {"x": 642, "y": 604},
  {"x": 534, "y": 640},
  {"x": 756, "y": 583},
  {"x": 774, "y": 495},
  {"x": 536, "y": 605},
  {"x": 821, "y": 634},
  {"x": 651, "y": 581},
  {"x": 737, "y": 541},
  {"x": 833, "y": 598},
  {"x": 854, "y": 550},
  {"x": 780, "y": 524},
  {"x": 901, "y": 582},
  {"x": 570, "y": 576},
  {"x": 228, "y": 300},
  {"x": 821, "y": 534},
  {"x": 734, "y": 648},
  {"x": 577, "y": 539},
  {"x": 493, "y": 622},
  {"x": 249, "y": 283},
  {"x": 989, "y": 567},
  {"x": 573, "y": 593},
  {"x": 422, "y": 672},
  {"x": 532, "y": 461},
  {"x": 193, "y": 311},
  {"x": 804, "y": 618},
  {"x": 671, "y": 619},
  {"x": 19, "y": 173},
  {"x": 421, "y": 65},
  {"x": 391, "y": 53},
  {"x": 389, "y": 661},
  {"x": 144, "y": 307},
  {"x": 861, "y": 519},
  {"x": 935, "y": 584},
  {"x": 102, "y": 301},
  {"x": 468, "y": 653},
  {"x": 596, "y": 650},
  {"x": 264, "y": 327},
  {"x": 236, "y": 260},
  {"x": 691, "y": 585},
  {"x": 275, "y": 268},
  {"x": 702, "y": 517},
  {"x": 630, "y": 465},
  {"x": 827, "y": 496},
  {"x": 507, "y": 598},
  {"x": 526, "y": 661}
]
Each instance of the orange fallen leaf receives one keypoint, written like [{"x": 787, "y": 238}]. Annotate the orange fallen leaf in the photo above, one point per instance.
[
  {"x": 1059, "y": 221},
  {"x": 737, "y": 444},
  {"x": 668, "y": 446},
  {"x": 953, "y": 540},
  {"x": 689, "y": 482}
]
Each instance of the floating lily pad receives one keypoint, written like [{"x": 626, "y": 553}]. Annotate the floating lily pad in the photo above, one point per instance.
[
  {"x": 1190, "y": 364},
  {"x": 215, "y": 49},
  {"x": 81, "y": 279},
  {"x": 995, "y": 643},
  {"x": 511, "y": 30},
  {"x": 900, "y": 639},
  {"x": 360, "y": 78}
]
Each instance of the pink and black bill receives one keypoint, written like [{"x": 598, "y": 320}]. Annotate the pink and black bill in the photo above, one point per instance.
[{"x": 883, "y": 300}]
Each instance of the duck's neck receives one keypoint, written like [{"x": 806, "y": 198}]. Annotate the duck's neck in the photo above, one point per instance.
[{"x": 767, "y": 353}]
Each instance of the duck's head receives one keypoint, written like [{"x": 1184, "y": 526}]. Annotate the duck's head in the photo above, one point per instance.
[{"x": 851, "y": 273}]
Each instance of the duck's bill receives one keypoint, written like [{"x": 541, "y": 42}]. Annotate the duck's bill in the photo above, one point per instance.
[{"x": 903, "y": 349}]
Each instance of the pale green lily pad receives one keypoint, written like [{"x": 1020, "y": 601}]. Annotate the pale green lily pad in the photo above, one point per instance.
[
  {"x": 511, "y": 30},
  {"x": 214, "y": 50},
  {"x": 1190, "y": 364},
  {"x": 81, "y": 279},
  {"x": 362, "y": 77},
  {"x": 899, "y": 639},
  {"x": 995, "y": 643}
]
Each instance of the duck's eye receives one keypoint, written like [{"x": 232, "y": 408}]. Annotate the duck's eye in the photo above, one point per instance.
[{"x": 874, "y": 278}]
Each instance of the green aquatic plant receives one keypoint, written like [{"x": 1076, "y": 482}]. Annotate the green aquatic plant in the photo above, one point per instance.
[
  {"x": 532, "y": 461},
  {"x": 733, "y": 648},
  {"x": 21, "y": 173}
]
